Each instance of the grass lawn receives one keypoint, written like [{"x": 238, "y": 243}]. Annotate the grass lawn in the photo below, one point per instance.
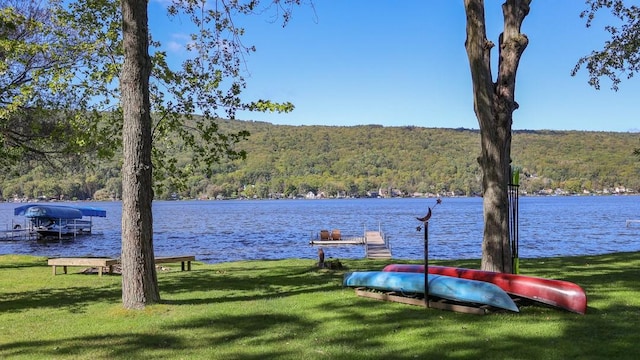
[{"x": 289, "y": 309}]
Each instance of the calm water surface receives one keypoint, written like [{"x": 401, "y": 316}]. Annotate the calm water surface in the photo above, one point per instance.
[{"x": 219, "y": 231}]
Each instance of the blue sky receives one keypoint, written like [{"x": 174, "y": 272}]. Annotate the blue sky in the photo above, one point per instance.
[{"x": 398, "y": 63}]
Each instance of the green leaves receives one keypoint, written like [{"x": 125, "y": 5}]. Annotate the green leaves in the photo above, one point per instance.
[
  {"x": 266, "y": 105},
  {"x": 72, "y": 76},
  {"x": 208, "y": 83},
  {"x": 620, "y": 56}
]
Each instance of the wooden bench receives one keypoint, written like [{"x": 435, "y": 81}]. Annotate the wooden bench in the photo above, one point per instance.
[
  {"x": 100, "y": 263},
  {"x": 171, "y": 259}
]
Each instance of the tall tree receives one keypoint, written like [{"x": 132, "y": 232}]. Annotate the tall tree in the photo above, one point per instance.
[
  {"x": 139, "y": 279},
  {"x": 217, "y": 60},
  {"x": 106, "y": 42},
  {"x": 494, "y": 104}
]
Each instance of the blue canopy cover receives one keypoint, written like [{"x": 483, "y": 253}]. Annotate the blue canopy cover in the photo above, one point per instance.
[{"x": 58, "y": 211}]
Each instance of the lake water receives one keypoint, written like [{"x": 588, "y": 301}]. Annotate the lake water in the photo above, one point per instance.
[{"x": 220, "y": 231}]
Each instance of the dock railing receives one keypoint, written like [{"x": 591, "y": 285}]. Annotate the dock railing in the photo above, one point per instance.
[
  {"x": 366, "y": 244},
  {"x": 629, "y": 222},
  {"x": 377, "y": 247},
  {"x": 16, "y": 233},
  {"x": 387, "y": 244}
]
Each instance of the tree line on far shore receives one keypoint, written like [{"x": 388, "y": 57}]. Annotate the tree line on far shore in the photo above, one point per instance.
[{"x": 357, "y": 161}]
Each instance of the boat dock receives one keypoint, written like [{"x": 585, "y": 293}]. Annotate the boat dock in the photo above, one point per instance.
[
  {"x": 17, "y": 234},
  {"x": 375, "y": 243},
  {"x": 345, "y": 241},
  {"x": 52, "y": 221},
  {"x": 376, "y": 246}
]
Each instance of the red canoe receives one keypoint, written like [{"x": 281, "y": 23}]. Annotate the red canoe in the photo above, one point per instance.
[{"x": 559, "y": 293}]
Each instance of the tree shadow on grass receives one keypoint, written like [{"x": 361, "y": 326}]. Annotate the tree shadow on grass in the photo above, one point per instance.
[
  {"x": 221, "y": 286},
  {"x": 73, "y": 299},
  {"x": 243, "y": 332},
  {"x": 351, "y": 327},
  {"x": 21, "y": 261},
  {"x": 538, "y": 333},
  {"x": 208, "y": 286}
]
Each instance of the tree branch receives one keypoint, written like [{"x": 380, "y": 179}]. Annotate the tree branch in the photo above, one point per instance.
[{"x": 479, "y": 53}]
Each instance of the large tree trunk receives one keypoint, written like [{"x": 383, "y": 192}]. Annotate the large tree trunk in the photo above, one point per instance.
[
  {"x": 494, "y": 104},
  {"x": 139, "y": 279}
]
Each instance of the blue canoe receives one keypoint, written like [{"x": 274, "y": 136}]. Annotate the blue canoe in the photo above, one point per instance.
[{"x": 446, "y": 287}]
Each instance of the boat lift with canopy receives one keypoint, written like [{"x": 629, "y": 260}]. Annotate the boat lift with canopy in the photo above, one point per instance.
[{"x": 58, "y": 220}]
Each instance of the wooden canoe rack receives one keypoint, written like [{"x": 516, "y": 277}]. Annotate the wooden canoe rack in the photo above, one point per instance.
[{"x": 440, "y": 304}]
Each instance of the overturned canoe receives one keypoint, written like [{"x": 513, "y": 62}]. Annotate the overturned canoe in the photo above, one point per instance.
[
  {"x": 450, "y": 288},
  {"x": 559, "y": 293}
]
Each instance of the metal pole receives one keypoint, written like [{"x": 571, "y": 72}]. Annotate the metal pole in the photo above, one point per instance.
[
  {"x": 513, "y": 215},
  {"x": 516, "y": 244},
  {"x": 426, "y": 263},
  {"x": 425, "y": 223},
  {"x": 511, "y": 226}
]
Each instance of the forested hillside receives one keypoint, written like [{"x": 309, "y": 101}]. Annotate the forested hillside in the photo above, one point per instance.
[{"x": 288, "y": 161}]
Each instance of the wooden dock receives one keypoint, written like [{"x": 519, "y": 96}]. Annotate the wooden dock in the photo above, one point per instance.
[
  {"x": 346, "y": 241},
  {"x": 376, "y": 246}
]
